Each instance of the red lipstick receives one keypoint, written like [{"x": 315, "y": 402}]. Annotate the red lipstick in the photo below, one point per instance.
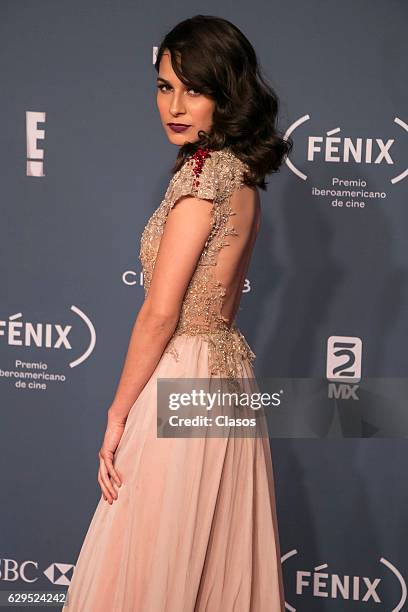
[{"x": 178, "y": 127}]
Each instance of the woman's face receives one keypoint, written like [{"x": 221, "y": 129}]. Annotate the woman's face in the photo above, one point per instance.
[{"x": 178, "y": 103}]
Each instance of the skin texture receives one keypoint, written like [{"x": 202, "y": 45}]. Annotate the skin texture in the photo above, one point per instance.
[{"x": 175, "y": 263}]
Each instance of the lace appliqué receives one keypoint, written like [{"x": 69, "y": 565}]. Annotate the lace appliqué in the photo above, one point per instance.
[
  {"x": 224, "y": 347},
  {"x": 208, "y": 175}
]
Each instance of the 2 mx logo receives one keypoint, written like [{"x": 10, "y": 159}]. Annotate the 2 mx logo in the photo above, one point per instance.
[
  {"x": 343, "y": 366},
  {"x": 335, "y": 148},
  {"x": 344, "y": 358}
]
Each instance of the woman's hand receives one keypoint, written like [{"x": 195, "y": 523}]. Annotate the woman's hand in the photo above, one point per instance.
[{"x": 113, "y": 434}]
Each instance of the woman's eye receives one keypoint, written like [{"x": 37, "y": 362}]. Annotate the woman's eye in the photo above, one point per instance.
[{"x": 162, "y": 87}]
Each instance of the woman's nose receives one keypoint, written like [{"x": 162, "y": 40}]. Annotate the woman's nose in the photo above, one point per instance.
[{"x": 177, "y": 104}]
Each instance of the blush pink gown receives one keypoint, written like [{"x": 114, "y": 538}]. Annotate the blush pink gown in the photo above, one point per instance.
[{"x": 194, "y": 528}]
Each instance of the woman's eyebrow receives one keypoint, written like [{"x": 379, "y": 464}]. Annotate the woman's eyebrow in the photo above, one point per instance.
[
  {"x": 160, "y": 79},
  {"x": 164, "y": 80}
]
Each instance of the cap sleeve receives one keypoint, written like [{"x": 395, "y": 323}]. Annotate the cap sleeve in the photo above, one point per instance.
[{"x": 197, "y": 177}]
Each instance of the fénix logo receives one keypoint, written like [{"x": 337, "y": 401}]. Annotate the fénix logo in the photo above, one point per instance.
[
  {"x": 335, "y": 148},
  {"x": 28, "y": 572},
  {"x": 320, "y": 582},
  {"x": 20, "y": 333}
]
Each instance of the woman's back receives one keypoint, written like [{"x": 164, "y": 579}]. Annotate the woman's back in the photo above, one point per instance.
[
  {"x": 212, "y": 298},
  {"x": 233, "y": 262}
]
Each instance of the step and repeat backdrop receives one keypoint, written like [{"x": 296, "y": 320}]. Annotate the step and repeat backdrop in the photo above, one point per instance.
[{"x": 85, "y": 161}]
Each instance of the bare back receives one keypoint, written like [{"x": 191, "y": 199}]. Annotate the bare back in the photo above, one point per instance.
[{"x": 233, "y": 261}]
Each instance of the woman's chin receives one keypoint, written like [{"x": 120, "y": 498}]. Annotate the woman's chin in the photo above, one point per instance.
[{"x": 177, "y": 139}]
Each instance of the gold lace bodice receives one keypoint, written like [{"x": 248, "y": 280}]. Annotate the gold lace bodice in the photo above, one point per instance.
[{"x": 213, "y": 175}]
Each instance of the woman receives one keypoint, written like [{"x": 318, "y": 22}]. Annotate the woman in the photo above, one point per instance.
[{"x": 189, "y": 524}]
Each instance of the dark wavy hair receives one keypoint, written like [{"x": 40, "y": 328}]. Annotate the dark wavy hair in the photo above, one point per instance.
[{"x": 212, "y": 56}]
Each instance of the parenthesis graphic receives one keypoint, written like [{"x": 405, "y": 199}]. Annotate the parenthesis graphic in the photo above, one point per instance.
[
  {"x": 402, "y": 582},
  {"x": 288, "y": 132},
  {"x": 401, "y": 176},
  {"x": 92, "y": 341},
  {"x": 288, "y": 555}
]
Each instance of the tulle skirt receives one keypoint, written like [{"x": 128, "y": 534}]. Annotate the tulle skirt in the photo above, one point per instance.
[{"x": 194, "y": 527}]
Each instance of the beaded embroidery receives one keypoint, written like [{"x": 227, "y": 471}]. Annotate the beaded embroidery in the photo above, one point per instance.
[{"x": 208, "y": 175}]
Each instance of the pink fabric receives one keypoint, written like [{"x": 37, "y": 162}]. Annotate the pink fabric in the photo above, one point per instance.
[{"x": 194, "y": 528}]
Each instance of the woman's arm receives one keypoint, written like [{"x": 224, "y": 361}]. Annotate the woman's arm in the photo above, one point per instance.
[
  {"x": 187, "y": 228},
  {"x": 150, "y": 335}
]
